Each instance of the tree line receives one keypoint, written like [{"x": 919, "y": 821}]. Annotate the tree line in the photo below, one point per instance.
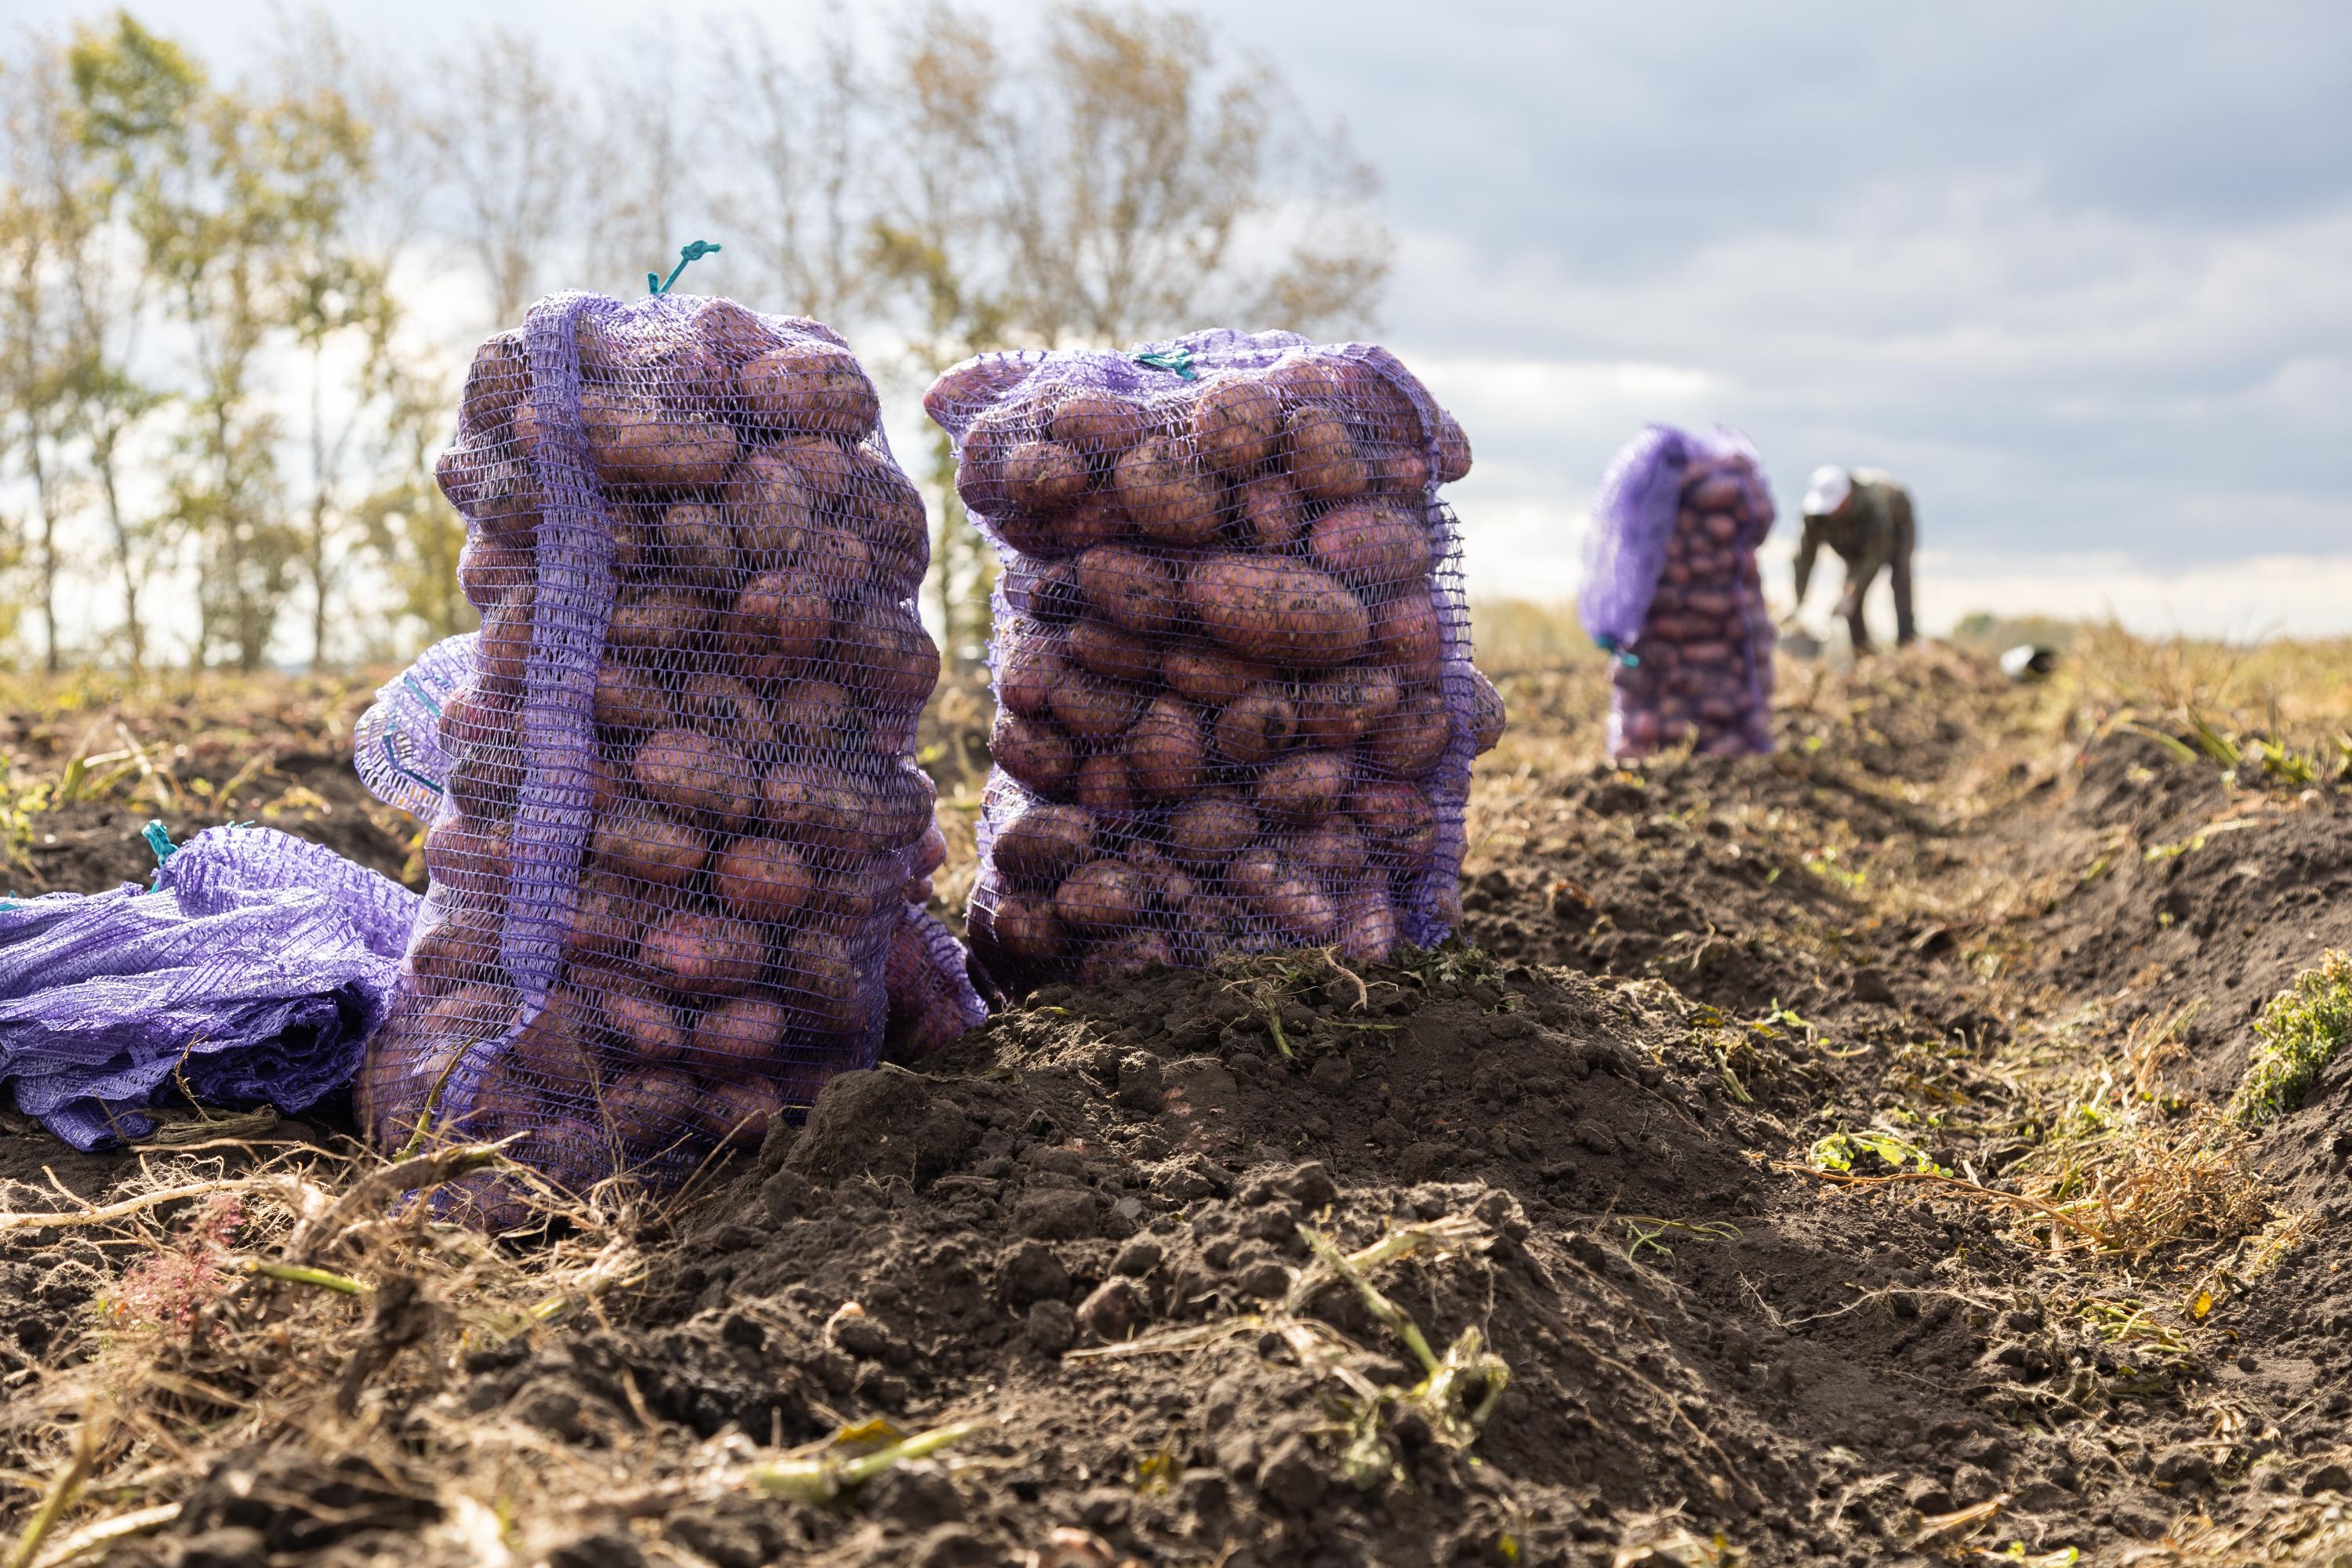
[{"x": 236, "y": 311}]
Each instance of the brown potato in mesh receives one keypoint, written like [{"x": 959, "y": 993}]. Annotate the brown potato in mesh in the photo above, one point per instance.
[
  {"x": 1130, "y": 588},
  {"x": 1097, "y": 646},
  {"x": 1037, "y": 754},
  {"x": 553, "y": 1052},
  {"x": 1171, "y": 500},
  {"x": 1269, "y": 512},
  {"x": 885, "y": 653},
  {"x": 502, "y": 651},
  {"x": 811, "y": 387},
  {"x": 629, "y": 698},
  {"x": 827, "y": 983},
  {"x": 1025, "y": 927},
  {"x": 1128, "y": 953},
  {"x": 1207, "y": 830},
  {"x": 982, "y": 379},
  {"x": 650, "y": 848},
  {"x": 645, "y": 1020},
  {"x": 829, "y": 471},
  {"x": 786, "y": 612},
  {"x": 469, "y": 857},
  {"x": 1302, "y": 378},
  {"x": 1236, "y": 422},
  {"x": 763, "y": 878},
  {"x": 497, "y": 384},
  {"x": 635, "y": 441},
  {"x": 1406, "y": 633},
  {"x": 653, "y": 1112},
  {"x": 728, "y": 708},
  {"x": 735, "y": 1113},
  {"x": 731, "y": 334},
  {"x": 1210, "y": 675},
  {"x": 1319, "y": 455},
  {"x": 1106, "y": 784},
  {"x": 1303, "y": 910},
  {"x": 484, "y": 777},
  {"x": 765, "y": 501},
  {"x": 1490, "y": 717},
  {"x": 1027, "y": 671},
  {"x": 1304, "y": 787},
  {"x": 1339, "y": 709},
  {"x": 700, "y": 776},
  {"x": 489, "y": 570},
  {"x": 1410, "y": 741},
  {"x": 1368, "y": 926},
  {"x": 1102, "y": 896},
  {"x": 704, "y": 955},
  {"x": 1399, "y": 820},
  {"x": 1369, "y": 542},
  {"x": 660, "y": 620},
  {"x": 1453, "y": 448},
  {"x": 1254, "y": 875},
  {"x": 1097, "y": 425},
  {"x": 740, "y": 1031},
  {"x": 1331, "y": 849},
  {"x": 694, "y": 544},
  {"x": 1165, "y": 751},
  {"x": 1041, "y": 845},
  {"x": 1255, "y": 726},
  {"x": 455, "y": 947},
  {"x": 1093, "y": 709},
  {"x": 1276, "y": 611},
  {"x": 1044, "y": 476}
]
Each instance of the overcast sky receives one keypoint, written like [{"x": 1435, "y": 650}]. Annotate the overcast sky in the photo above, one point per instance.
[{"x": 2081, "y": 274}]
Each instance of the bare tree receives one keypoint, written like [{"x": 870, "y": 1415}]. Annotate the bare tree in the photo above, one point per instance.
[{"x": 510, "y": 150}]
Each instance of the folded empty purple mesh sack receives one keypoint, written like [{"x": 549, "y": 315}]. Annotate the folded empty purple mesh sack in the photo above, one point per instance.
[
  {"x": 1232, "y": 656},
  {"x": 251, "y": 974},
  {"x": 680, "y": 808},
  {"x": 1670, "y": 589}
]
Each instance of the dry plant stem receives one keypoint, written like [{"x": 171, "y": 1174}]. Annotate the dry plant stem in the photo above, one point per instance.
[
  {"x": 1400, "y": 1323},
  {"x": 820, "y": 1479},
  {"x": 107, "y": 1531},
  {"x": 379, "y": 1186},
  {"x": 2016, "y": 1200},
  {"x": 87, "y": 1439},
  {"x": 109, "y": 1213}
]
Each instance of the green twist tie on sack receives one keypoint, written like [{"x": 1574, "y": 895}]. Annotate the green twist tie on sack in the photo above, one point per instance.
[
  {"x": 1179, "y": 361},
  {"x": 1608, "y": 645},
  {"x": 656, "y": 284},
  {"x": 159, "y": 839}
]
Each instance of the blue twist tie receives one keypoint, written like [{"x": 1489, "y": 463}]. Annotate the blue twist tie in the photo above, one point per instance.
[
  {"x": 1178, "y": 360},
  {"x": 656, "y": 284},
  {"x": 1608, "y": 645},
  {"x": 159, "y": 839}
]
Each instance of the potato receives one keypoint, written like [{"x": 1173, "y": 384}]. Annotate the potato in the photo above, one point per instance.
[
  {"x": 646, "y": 1021},
  {"x": 1271, "y": 517},
  {"x": 829, "y": 985},
  {"x": 454, "y": 947},
  {"x": 652, "y": 1113},
  {"x": 1255, "y": 727},
  {"x": 1026, "y": 673},
  {"x": 974, "y": 382},
  {"x": 1716, "y": 492},
  {"x": 1130, "y": 954},
  {"x": 1410, "y": 741},
  {"x": 810, "y": 387},
  {"x": 787, "y": 616},
  {"x": 1101, "y": 896},
  {"x": 742, "y": 1031},
  {"x": 857, "y": 887},
  {"x": 930, "y": 852},
  {"x": 763, "y": 878},
  {"x": 897, "y": 527},
  {"x": 604, "y": 916},
  {"x": 1170, "y": 886},
  {"x": 1210, "y": 675},
  {"x": 765, "y": 501},
  {"x": 1044, "y": 476},
  {"x": 1207, "y": 830},
  {"x": 1368, "y": 542},
  {"x": 497, "y": 384},
  {"x": 1406, "y": 631},
  {"x": 1489, "y": 720},
  {"x": 1093, "y": 519},
  {"x": 661, "y": 619},
  {"x": 633, "y": 440},
  {"x": 1399, "y": 820},
  {"x": 471, "y": 717},
  {"x": 693, "y": 545},
  {"x": 1036, "y": 755},
  {"x": 1401, "y": 473},
  {"x": 1304, "y": 787},
  {"x": 1101, "y": 648},
  {"x": 1097, "y": 425},
  {"x": 554, "y": 1050},
  {"x": 885, "y": 653},
  {"x": 700, "y": 776},
  {"x": 1169, "y": 499},
  {"x": 1453, "y": 448},
  {"x": 813, "y": 806},
  {"x": 1339, "y": 709},
  {"x": 1132, "y": 590},
  {"x": 735, "y": 1113},
  {"x": 704, "y": 955},
  {"x": 630, "y": 699},
  {"x": 502, "y": 652},
  {"x": 483, "y": 779},
  {"x": 489, "y": 569},
  {"x": 1094, "y": 708},
  {"x": 1043, "y": 845},
  {"x": 1106, "y": 784},
  {"x": 1271, "y": 610},
  {"x": 1051, "y": 597},
  {"x": 1332, "y": 849},
  {"x": 1320, "y": 456},
  {"x": 979, "y": 463},
  {"x": 1303, "y": 910},
  {"x": 1025, "y": 927},
  {"x": 829, "y": 471},
  {"x": 1301, "y": 376},
  {"x": 1235, "y": 420},
  {"x": 1165, "y": 753},
  {"x": 1254, "y": 875},
  {"x": 469, "y": 857},
  {"x": 1367, "y": 927},
  {"x": 731, "y": 334},
  {"x": 650, "y": 848}
]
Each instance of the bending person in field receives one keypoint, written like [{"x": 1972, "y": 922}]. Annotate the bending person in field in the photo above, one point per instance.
[{"x": 1866, "y": 518}]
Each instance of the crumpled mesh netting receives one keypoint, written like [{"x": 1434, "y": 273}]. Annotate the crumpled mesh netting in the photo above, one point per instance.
[
  {"x": 1231, "y": 657},
  {"x": 1671, "y": 585},
  {"x": 681, "y": 811},
  {"x": 251, "y": 974}
]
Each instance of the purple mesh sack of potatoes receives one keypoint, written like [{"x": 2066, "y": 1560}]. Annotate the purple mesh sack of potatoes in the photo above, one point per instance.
[
  {"x": 1671, "y": 591},
  {"x": 680, "y": 809},
  {"x": 1235, "y": 706}
]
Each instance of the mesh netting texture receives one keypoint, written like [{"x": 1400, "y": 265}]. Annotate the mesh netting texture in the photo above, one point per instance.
[
  {"x": 680, "y": 811},
  {"x": 1670, "y": 587},
  {"x": 1235, "y": 706},
  {"x": 250, "y": 975}
]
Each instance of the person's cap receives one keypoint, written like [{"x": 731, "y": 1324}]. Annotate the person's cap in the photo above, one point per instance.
[{"x": 1827, "y": 491}]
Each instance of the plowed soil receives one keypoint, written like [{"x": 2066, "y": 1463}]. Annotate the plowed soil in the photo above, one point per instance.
[{"x": 1739, "y": 1159}]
